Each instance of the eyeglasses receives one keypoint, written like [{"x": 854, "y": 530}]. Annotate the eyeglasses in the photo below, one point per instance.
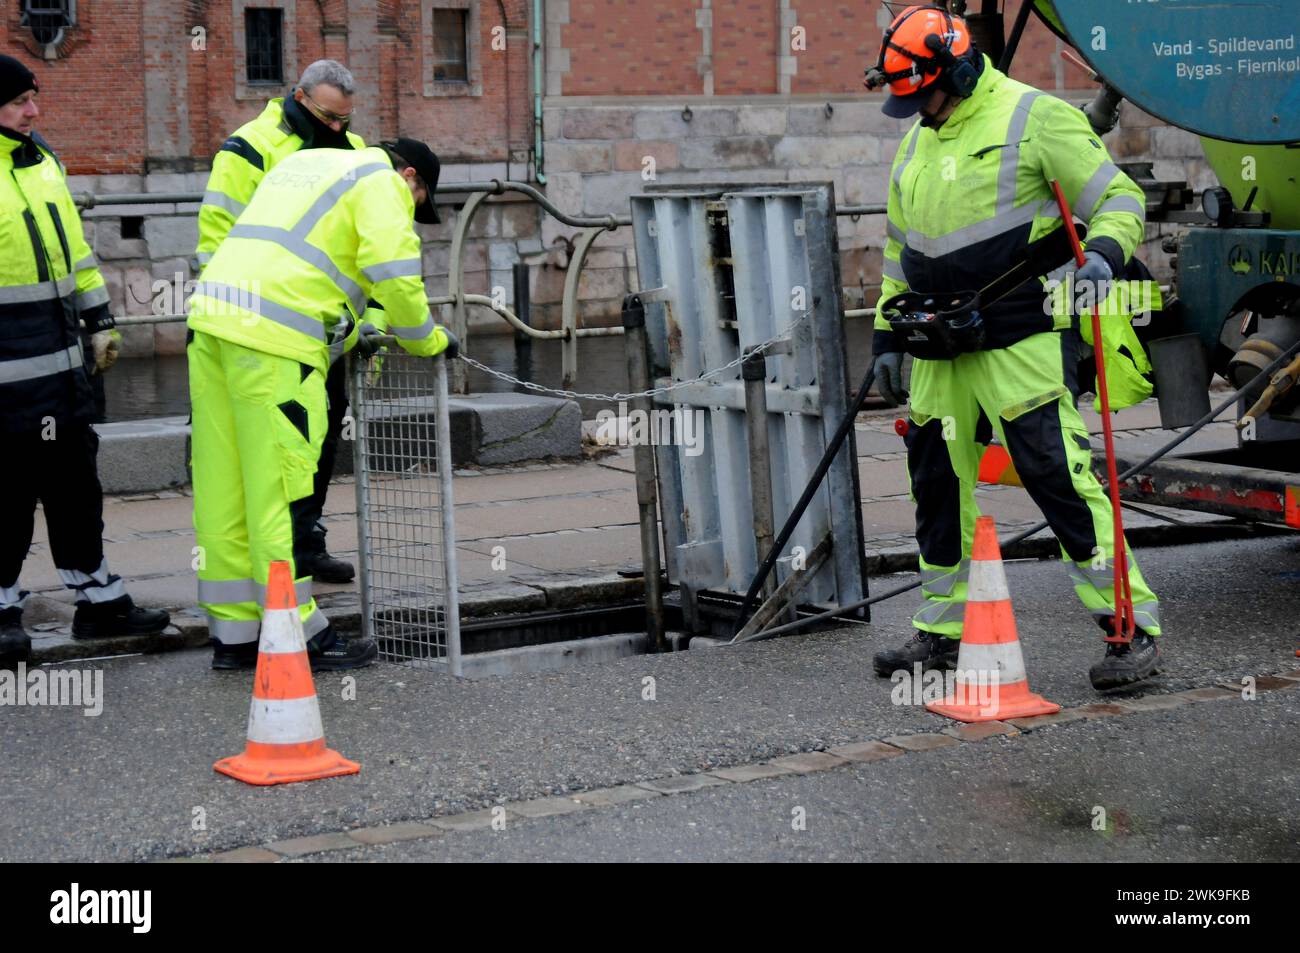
[{"x": 324, "y": 115}]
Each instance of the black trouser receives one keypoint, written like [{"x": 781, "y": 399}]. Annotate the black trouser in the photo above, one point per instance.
[
  {"x": 308, "y": 540},
  {"x": 60, "y": 473}
]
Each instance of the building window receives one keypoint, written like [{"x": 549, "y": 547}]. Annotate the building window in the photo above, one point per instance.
[
  {"x": 264, "y": 45},
  {"x": 47, "y": 19},
  {"x": 451, "y": 61},
  {"x": 450, "y": 52}
]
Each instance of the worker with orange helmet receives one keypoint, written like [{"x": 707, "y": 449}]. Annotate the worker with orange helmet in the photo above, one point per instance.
[{"x": 971, "y": 209}]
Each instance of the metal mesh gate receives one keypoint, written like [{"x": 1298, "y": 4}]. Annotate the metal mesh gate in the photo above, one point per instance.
[{"x": 405, "y": 521}]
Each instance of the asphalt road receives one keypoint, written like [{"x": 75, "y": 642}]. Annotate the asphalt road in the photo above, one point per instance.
[
  {"x": 1213, "y": 781},
  {"x": 1159, "y": 786}
]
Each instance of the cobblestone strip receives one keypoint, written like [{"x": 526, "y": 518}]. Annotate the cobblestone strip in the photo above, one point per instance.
[{"x": 861, "y": 752}]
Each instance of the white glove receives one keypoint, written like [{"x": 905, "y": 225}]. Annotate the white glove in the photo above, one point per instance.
[{"x": 107, "y": 345}]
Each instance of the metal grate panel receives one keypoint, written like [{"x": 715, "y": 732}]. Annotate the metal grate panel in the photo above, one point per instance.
[
  {"x": 740, "y": 265},
  {"x": 406, "y": 525}
]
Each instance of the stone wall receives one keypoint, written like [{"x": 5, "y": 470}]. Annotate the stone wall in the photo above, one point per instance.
[
  {"x": 597, "y": 156},
  {"x": 598, "y": 153}
]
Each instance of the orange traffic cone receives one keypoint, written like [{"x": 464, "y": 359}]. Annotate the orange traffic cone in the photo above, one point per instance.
[
  {"x": 991, "y": 682},
  {"x": 996, "y": 467},
  {"x": 285, "y": 739}
]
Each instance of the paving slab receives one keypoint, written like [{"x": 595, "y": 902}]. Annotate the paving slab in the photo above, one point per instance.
[
  {"x": 809, "y": 761},
  {"x": 606, "y": 548},
  {"x": 882, "y": 478},
  {"x": 546, "y": 807},
  {"x": 540, "y": 484},
  {"x": 751, "y": 772},
  {"x": 866, "y": 751},
  {"x": 678, "y": 784},
  {"x": 604, "y": 797},
  {"x": 510, "y": 518},
  {"x": 393, "y": 833}
]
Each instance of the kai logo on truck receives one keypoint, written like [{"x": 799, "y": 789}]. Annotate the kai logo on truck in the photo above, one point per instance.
[
  {"x": 1279, "y": 264},
  {"x": 1239, "y": 260},
  {"x": 1274, "y": 264}
]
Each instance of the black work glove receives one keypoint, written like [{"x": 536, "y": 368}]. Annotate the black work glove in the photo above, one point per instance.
[
  {"x": 453, "y": 345},
  {"x": 370, "y": 341},
  {"x": 1091, "y": 282},
  {"x": 889, "y": 378}
]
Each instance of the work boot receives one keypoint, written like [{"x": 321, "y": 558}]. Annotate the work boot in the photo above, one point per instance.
[
  {"x": 15, "y": 644},
  {"x": 932, "y": 650},
  {"x": 1126, "y": 663},
  {"x": 330, "y": 652},
  {"x": 323, "y": 567},
  {"x": 231, "y": 658},
  {"x": 119, "y": 618}
]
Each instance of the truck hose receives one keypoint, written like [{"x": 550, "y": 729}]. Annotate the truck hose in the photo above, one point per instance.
[
  {"x": 1278, "y": 386},
  {"x": 1023, "y": 534}
]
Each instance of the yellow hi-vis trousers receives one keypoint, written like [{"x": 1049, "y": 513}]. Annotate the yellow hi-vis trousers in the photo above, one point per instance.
[
  {"x": 1025, "y": 394},
  {"x": 258, "y": 424}
]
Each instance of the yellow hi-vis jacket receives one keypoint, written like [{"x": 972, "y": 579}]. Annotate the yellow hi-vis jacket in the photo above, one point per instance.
[
  {"x": 326, "y": 230},
  {"x": 50, "y": 290},
  {"x": 966, "y": 199},
  {"x": 245, "y": 157}
]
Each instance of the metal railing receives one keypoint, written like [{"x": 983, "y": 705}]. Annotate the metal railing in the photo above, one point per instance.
[{"x": 457, "y": 298}]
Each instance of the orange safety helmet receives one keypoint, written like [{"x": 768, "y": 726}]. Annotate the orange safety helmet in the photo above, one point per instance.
[{"x": 924, "y": 45}]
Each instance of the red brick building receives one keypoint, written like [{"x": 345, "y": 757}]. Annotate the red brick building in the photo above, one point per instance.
[
  {"x": 137, "y": 94},
  {"x": 133, "y": 86}
]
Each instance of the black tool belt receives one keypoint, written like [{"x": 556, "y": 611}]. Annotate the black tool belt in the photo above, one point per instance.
[
  {"x": 936, "y": 327},
  {"x": 942, "y": 326}
]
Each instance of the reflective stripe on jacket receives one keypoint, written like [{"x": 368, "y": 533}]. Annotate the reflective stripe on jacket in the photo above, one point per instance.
[
  {"x": 326, "y": 230},
  {"x": 245, "y": 157},
  {"x": 50, "y": 289},
  {"x": 966, "y": 199}
]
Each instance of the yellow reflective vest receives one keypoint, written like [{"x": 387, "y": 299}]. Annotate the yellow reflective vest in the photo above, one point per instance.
[
  {"x": 327, "y": 230},
  {"x": 50, "y": 290},
  {"x": 968, "y": 198},
  {"x": 245, "y": 157}
]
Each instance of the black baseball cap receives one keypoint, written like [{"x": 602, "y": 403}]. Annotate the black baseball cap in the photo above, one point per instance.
[
  {"x": 421, "y": 158},
  {"x": 901, "y": 107}
]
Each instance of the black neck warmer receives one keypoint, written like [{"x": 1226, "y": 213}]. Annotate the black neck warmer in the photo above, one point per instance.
[{"x": 314, "y": 133}]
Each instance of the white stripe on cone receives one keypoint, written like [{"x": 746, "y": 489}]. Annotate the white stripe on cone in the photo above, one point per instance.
[
  {"x": 285, "y": 721},
  {"x": 988, "y": 581},
  {"x": 999, "y": 664},
  {"x": 282, "y": 632}
]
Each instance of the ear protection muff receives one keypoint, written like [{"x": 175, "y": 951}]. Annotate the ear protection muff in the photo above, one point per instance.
[{"x": 959, "y": 74}]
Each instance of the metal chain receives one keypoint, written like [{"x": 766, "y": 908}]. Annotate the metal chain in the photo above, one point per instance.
[{"x": 653, "y": 392}]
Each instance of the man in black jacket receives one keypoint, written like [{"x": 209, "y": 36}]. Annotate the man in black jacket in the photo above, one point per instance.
[{"x": 51, "y": 292}]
